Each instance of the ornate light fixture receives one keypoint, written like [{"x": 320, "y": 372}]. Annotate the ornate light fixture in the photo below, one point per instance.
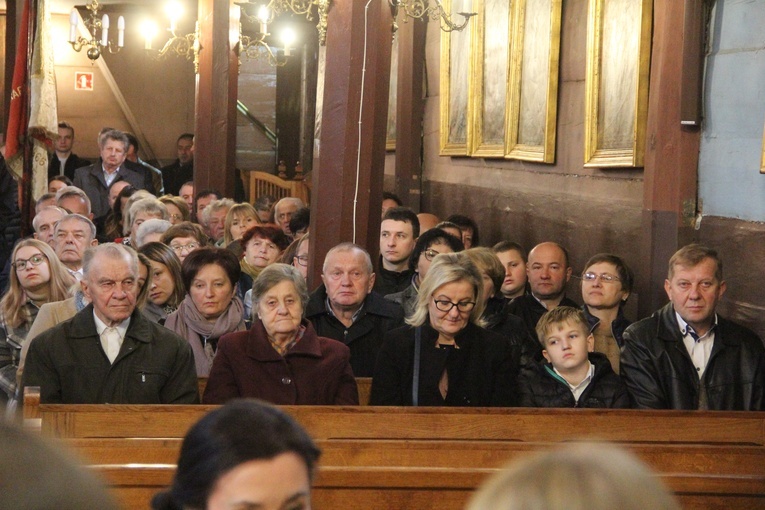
[
  {"x": 419, "y": 9},
  {"x": 255, "y": 47},
  {"x": 98, "y": 30},
  {"x": 267, "y": 10},
  {"x": 180, "y": 45}
]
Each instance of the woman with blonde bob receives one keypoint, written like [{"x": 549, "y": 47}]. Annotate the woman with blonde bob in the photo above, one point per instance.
[
  {"x": 239, "y": 219},
  {"x": 444, "y": 357},
  {"x": 584, "y": 476},
  {"x": 37, "y": 277}
]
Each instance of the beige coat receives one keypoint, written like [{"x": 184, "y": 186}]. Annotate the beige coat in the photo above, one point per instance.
[{"x": 49, "y": 315}]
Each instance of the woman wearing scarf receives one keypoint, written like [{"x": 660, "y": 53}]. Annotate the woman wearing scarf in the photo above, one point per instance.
[{"x": 211, "y": 308}]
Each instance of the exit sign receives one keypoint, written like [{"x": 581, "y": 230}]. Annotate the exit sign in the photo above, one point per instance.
[{"x": 83, "y": 81}]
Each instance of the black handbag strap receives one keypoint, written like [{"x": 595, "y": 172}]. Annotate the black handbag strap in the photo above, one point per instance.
[{"x": 416, "y": 375}]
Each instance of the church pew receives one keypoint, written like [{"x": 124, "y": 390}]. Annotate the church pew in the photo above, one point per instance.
[
  {"x": 664, "y": 458},
  {"x": 400, "y": 488},
  {"x": 713, "y": 460},
  {"x": 509, "y": 424}
]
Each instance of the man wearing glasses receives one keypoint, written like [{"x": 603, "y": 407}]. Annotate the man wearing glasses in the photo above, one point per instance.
[
  {"x": 685, "y": 356},
  {"x": 345, "y": 308}
]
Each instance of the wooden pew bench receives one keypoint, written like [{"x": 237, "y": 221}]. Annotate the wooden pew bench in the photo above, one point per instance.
[
  {"x": 433, "y": 458},
  {"x": 424, "y": 488},
  {"x": 509, "y": 424}
]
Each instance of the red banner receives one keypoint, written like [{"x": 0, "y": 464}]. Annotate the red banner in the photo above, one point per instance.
[{"x": 19, "y": 106}]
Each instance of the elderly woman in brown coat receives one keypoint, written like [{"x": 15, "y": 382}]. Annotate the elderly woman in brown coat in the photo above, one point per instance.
[{"x": 281, "y": 359}]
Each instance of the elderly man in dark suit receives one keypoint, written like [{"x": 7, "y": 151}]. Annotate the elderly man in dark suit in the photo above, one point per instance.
[
  {"x": 109, "y": 352},
  {"x": 95, "y": 179}
]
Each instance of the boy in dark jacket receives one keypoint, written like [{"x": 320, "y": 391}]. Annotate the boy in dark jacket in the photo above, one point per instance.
[{"x": 571, "y": 375}]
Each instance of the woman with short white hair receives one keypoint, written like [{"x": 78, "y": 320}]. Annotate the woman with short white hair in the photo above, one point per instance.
[{"x": 138, "y": 212}]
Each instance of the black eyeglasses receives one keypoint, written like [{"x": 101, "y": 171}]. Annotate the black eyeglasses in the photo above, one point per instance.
[
  {"x": 446, "y": 306},
  {"x": 605, "y": 277},
  {"x": 302, "y": 260},
  {"x": 33, "y": 261}
]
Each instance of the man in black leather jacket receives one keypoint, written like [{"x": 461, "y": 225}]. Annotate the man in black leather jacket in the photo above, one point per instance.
[{"x": 685, "y": 356}]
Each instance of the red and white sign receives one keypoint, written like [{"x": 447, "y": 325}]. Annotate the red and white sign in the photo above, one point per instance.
[{"x": 83, "y": 81}]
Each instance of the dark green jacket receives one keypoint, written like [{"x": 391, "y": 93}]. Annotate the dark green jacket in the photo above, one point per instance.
[{"x": 154, "y": 365}]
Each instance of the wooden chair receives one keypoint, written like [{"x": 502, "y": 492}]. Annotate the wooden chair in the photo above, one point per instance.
[{"x": 263, "y": 183}]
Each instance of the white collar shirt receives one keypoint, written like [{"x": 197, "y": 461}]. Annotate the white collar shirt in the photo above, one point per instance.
[
  {"x": 578, "y": 389},
  {"x": 111, "y": 337},
  {"x": 699, "y": 347}
]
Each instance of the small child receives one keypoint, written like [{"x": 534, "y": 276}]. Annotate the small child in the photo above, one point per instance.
[{"x": 572, "y": 375}]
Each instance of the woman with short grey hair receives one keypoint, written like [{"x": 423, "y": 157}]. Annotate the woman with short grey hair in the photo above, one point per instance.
[
  {"x": 444, "y": 357},
  {"x": 141, "y": 211},
  {"x": 151, "y": 231},
  {"x": 281, "y": 359}
]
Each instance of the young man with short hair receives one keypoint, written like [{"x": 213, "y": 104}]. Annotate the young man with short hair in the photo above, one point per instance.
[{"x": 399, "y": 231}]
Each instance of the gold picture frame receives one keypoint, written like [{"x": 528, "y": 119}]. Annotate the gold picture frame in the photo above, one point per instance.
[
  {"x": 618, "y": 66},
  {"x": 457, "y": 84},
  {"x": 762, "y": 161},
  {"x": 532, "y": 90},
  {"x": 390, "y": 137},
  {"x": 491, "y": 56}
]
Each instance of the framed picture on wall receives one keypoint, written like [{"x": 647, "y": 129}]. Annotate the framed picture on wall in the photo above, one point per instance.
[
  {"x": 390, "y": 138},
  {"x": 532, "y": 90},
  {"x": 618, "y": 64},
  {"x": 491, "y": 50},
  {"x": 456, "y": 85}
]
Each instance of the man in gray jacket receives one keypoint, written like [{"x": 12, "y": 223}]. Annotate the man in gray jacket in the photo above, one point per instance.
[
  {"x": 95, "y": 179},
  {"x": 109, "y": 352}
]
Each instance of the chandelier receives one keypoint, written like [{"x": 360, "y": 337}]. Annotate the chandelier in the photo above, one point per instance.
[
  {"x": 256, "y": 47},
  {"x": 267, "y": 10},
  {"x": 98, "y": 32},
  {"x": 420, "y": 9},
  {"x": 184, "y": 45}
]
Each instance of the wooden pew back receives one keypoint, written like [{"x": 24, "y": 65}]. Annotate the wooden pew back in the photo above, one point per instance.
[{"x": 510, "y": 424}]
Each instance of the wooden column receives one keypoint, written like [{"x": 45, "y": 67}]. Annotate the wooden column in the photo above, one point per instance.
[
  {"x": 671, "y": 158},
  {"x": 347, "y": 185},
  {"x": 216, "y": 93},
  {"x": 409, "y": 112}
]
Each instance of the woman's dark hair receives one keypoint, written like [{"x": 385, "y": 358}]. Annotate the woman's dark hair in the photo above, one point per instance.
[
  {"x": 186, "y": 229},
  {"x": 271, "y": 232},
  {"x": 63, "y": 178},
  {"x": 113, "y": 224},
  {"x": 207, "y": 255},
  {"x": 465, "y": 222},
  {"x": 163, "y": 254},
  {"x": 239, "y": 432},
  {"x": 428, "y": 239}
]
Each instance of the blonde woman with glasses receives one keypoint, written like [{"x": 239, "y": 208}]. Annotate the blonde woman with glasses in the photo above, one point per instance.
[
  {"x": 37, "y": 277},
  {"x": 444, "y": 357}
]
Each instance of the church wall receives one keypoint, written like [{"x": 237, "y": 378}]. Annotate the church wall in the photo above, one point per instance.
[
  {"x": 731, "y": 187},
  {"x": 587, "y": 210}
]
